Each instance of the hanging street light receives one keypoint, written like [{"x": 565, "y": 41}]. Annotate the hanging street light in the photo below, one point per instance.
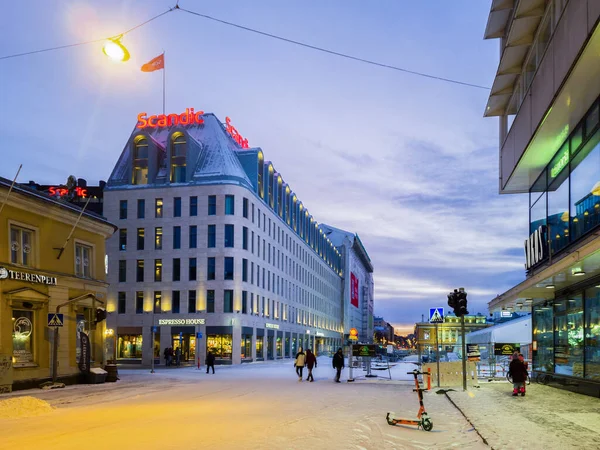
[{"x": 115, "y": 50}]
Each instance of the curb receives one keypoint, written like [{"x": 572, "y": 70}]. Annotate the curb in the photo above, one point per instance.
[{"x": 468, "y": 420}]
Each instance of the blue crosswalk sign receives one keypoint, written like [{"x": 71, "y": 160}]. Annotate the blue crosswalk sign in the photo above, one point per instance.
[{"x": 436, "y": 315}]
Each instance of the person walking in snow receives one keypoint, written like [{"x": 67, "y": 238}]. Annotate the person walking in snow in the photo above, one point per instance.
[
  {"x": 311, "y": 361},
  {"x": 210, "y": 361},
  {"x": 518, "y": 372},
  {"x": 299, "y": 363},
  {"x": 338, "y": 364}
]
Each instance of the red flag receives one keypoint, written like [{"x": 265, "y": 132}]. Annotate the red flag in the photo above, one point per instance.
[{"x": 155, "y": 64}]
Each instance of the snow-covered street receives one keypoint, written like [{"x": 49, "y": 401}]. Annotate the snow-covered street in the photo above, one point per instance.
[{"x": 253, "y": 406}]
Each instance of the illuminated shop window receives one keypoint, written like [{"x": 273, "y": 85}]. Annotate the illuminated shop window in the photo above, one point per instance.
[
  {"x": 129, "y": 346},
  {"x": 140, "y": 161},
  {"x": 21, "y": 246},
  {"x": 259, "y": 347},
  {"x": 246, "y": 346},
  {"x": 23, "y": 338},
  {"x": 220, "y": 345},
  {"x": 178, "y": 158}
]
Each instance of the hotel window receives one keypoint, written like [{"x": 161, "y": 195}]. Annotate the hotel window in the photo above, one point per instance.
[
  {"x": 21, "y": 246},
  {"x": 244, "y": 302},
  {"x": 228, "y": 272},
  {"x": 270, "y": 187},
  {"x": 228, "y": 235},
  {"x": 192, "y": 269},
  {"x": 252, "y": 212},
  {"x": 212, "y": 205},
  {"x": 122, "y": 239},
  {"x": 245, "y": 238},
  {"x": 83, "y": 260},
  {"x": 251, "y": 273},
  {"x": 210, "y": 301},
  {"x": 140, "y": 162},
  {"x": 229, "y": 205},
  {"x": 245, "y": 207},
  {"x": 122, "y": 271},
  {"x": 139, "y": 302},
  {"x": 122, "y": 303},
  {"x": 176, "y": 269},
  {"x": 123, "y": 209},
  {"x": 191, "y": 302},
  {"x": 140, "y": 238},
  {"x": 141, "y": 208},
  {"x": 176, "y": 238},
  {"x": 228, "y": 301},
  {"x": 157, "y": 302},
  {"x": 193, "y": 206},
  {"x": 210, "y": 268},
  {"x": 244, "y": 269},
  {"x": 23, "y": 338},
  {"x": 178, "y": 158},
  {"x": 193, "y": 236},
  {"x": 261, "y": 169},
  {"x": 158, "y": 238},
  {"x": 252, "y": 242},
  {"x": 139, "y": 277},
  {"x": 176, "y": 302},
  {"x": 158, "y": 270},
  {"x": 158, "y": 208},
  {"x": 212, "y": 236},
  {"x": 177, "y": 207}
]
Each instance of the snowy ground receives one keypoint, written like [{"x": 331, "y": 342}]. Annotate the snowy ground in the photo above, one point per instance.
[
  {"x": 546, "y": 418},
  {"x": 253, "y": 406}
]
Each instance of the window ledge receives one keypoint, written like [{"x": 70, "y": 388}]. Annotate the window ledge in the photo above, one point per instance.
[{"x": 25, "y": 366}]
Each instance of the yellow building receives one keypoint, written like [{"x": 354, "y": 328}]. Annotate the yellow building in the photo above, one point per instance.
[
  {"x": 448, "y": 333},
  {"x": 37, "y": 275}
]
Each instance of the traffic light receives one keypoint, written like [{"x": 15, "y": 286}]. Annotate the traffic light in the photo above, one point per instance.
[
  {"x": 452, "y": 299},
  {"x": 100, "y": 315},
  {"x": 461, "y": 304}
]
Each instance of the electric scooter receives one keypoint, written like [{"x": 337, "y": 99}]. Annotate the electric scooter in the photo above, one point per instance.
[{"x": 422, "y": 420}]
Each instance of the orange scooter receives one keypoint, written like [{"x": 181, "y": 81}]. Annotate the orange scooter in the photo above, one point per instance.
[{"x": 422, "y": 420}]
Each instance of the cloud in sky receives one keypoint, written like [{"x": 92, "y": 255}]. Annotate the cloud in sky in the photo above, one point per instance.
[{"x": 408, "y": 163}]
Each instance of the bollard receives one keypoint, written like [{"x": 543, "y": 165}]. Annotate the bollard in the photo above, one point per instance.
[
  {"x": 198, "y": 363},
  {"x": 429, "y": 378}
]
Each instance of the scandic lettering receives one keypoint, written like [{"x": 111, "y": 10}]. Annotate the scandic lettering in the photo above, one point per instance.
[{"x": 189, "y": 117}]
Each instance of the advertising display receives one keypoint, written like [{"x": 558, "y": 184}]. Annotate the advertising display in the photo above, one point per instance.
[{"x": 353, "y": 290}]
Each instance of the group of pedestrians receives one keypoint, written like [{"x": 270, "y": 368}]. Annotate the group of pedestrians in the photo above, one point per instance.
[
  {"x": 518, "y": 371},
  {"x": 309, "y": 360},
  {"x": 169, "y": 354}
]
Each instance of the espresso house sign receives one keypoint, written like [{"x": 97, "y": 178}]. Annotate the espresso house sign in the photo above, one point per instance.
[{"x": 535, "y": 247}]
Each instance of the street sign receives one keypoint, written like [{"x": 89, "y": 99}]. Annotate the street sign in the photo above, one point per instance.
[
  {"x": 155, "y": 329},
  {"x": 353, "y": 334},
  {"x": 199, "y": 335},
  {"x": 55, "y": 320},
  {"x": 436, "y": 315},
  {"x": 473, "y": 352},
  {"x": 364, "y": 350}
]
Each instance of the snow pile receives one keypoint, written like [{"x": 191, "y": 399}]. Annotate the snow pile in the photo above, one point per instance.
[{"x": 20, "y": 407}]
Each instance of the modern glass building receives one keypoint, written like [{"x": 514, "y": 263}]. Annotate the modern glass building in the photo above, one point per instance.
[
  {"x": 546, "y": 94},
  {"x": 214, "y": 251}
]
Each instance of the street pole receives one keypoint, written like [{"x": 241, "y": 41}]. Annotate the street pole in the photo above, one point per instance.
[
  {"x": 152, "y": 343},
  {"x": 464, "y": 353},
  {"x": 437, "y": 349}
]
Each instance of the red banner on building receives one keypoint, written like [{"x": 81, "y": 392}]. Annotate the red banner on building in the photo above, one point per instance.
[{"x": 353, "y": 290}]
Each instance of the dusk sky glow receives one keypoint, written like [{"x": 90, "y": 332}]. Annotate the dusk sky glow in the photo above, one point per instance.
[{"x": 408, "y": 163}]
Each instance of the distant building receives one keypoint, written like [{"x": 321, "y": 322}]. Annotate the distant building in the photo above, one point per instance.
[
  {"x": 383, "y": 331},
  {"x": 75, "y": 191},
  {"x": 358, "y": 284}
]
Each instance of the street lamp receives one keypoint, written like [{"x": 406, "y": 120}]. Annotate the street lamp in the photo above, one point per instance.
[{"x": 115, "y": 50}]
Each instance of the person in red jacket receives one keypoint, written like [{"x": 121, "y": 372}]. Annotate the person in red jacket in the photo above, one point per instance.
[
  {"x": 311, "y": 361},
  {"x": 518, "y": 372}
]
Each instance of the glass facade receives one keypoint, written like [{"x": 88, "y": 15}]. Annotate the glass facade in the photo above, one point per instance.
[
  {"x": 565, "y": 199},
  {"x": 259, "y": 347},
  {"x": 220, "y": 345},
  {"x": 246, "y": 346},
  {"x": 23, "y": 338},
  {"x": 129, "y": 346}
]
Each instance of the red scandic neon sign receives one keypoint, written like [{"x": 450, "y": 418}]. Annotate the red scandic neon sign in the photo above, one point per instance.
[
  {"x": 61, "y": 192},
  {"x": 189, "y": 117},
  {"x": 237, "y": 137}
]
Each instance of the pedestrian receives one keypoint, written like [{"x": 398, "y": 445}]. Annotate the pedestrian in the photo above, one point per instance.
[
  {"x": 299, "y": 363},
  {"x": 210, "y": 361},
  {"x": 526, "y": 364},
  {"x": 338, "y": 364},
  {"x": 178, "y": 356},
  {"x": 518, "y": 372},
  {"x": 311, "y": 361}
]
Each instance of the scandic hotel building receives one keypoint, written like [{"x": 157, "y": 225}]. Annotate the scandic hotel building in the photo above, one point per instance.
[
  {"x": 215, "y": 252},
  {"x": 546, "y": 94}
]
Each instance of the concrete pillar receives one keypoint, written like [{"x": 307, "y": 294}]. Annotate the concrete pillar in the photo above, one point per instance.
[
  {"x": 147, "y": 345},
  {"x": 165, "y": 341},
  {"x": 236, "y": 357}
]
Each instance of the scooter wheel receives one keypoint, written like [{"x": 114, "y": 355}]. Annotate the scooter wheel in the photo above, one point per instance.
[{"x": 427, "y": 424}]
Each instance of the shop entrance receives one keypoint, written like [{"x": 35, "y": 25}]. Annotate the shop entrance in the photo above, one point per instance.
[
  {"x": 270, "y": 347},
  {"x": 187, "y": 343}
]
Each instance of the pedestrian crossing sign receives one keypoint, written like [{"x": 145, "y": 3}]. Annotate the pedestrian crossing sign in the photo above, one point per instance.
[
  {"x": 436, "y": 315},
  {"x": 55, "y": 320}
]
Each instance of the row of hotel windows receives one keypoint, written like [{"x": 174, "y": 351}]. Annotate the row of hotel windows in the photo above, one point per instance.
[
  {"x": 22, "y": 251},
  {"x": 250, "y": 304},
  {"x": 270, "y": 281},
  {"x": 275, "y": 257},
  {"x": 319, "y": 244}
]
